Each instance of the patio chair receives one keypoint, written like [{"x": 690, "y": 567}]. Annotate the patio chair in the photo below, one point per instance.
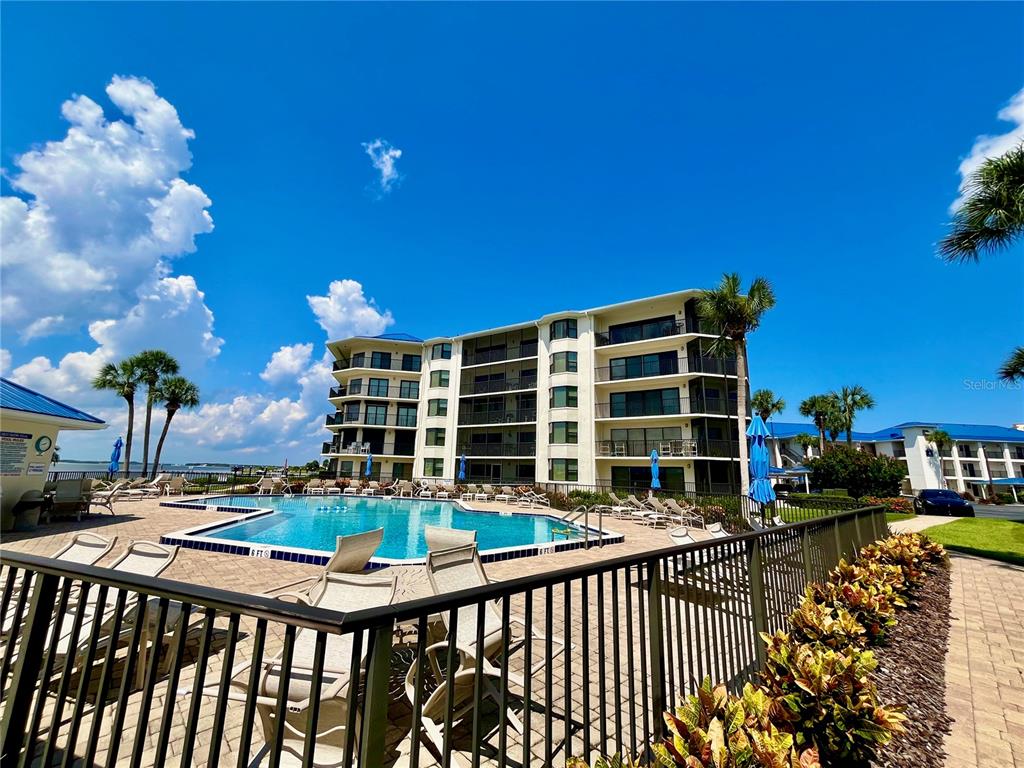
[
  {"x": 529, "y": 497},
  {"x": 443, "y": 492},
  {"x": 507, "y": 495},
  {"x": 69, "y": 498},
  {"x": 315, "y": 487},
  {"x": 405, "y": 488},
  {"x": 351, "y": 490},
  {"x": 353, "y": 552},
  {"x": 486, "y": 493},
  {"x": 459, "y": 568},
  {"x": 331, "y": 488},
  {"x": 425, "y": 492},
  {"x": 659, "y": 514},
  {"x": 717, "y": 531},
  {"x": 337, "y": 592},
  {"x": 438, "y": 537},
  {"x": 469, "y": 494},
  {"x": 688, "y": 516},
  {"x": 777, "y": 521},
  {"x": 267, "y": 486},
  {"x": 372, "y": 488},
  {"x": 755, "y": 523}
]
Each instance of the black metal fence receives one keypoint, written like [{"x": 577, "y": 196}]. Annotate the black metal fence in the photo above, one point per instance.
[{"x": 523, "y": 672}]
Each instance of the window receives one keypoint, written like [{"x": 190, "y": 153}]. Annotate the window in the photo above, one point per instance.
[
  {"x": 377, "y": 388},
  {"x": 406, "y": 416},
  {"x": 441, "y": 351},
  {"x": 351, "y": 412},
  {"x": 437, "y": 407},
  {"x": 376, "y": 415},
  {"x": 563, "y": 432},
  {"x": 435, "y": 436},
  {"x": 345, "y": 468},
  {"x": 563, "y": 329},
  {"x": 401, "y": 471},
  {"x": 563, "y": 397},
  {"x": 359, "y": 360},
  {"x": 637, "y": 366},
  {"x": 563, "y": 362},
  {"x": 433, "y": 467},
  {"x": 565, "y": 469},
  {"x": 409, "y": 389},
  {"x": 633, "y": 478},
  {"x": 642, "y": 329},
  {"x": 355, "y": 387},
  {"x": 411, "y": 362},
  {"x": 380, "y": 360},
  {"x": 439, "y": 378},
  {"x": 654, "y": 402}
]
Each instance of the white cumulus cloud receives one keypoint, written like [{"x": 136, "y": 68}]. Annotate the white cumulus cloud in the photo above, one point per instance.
[
  {"x": 5, "y": 361},
  {"x": 287, "y": 363},
  {"x": 345, "y": 311},
  {"x": 383, "y": 156},
  {"x": 993, "y": 146},
  {"x": 99, "y": 212}
]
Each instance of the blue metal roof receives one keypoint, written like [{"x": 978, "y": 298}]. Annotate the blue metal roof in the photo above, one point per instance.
[
  {"x": 18, "y": 398},
  {"x": 394, "y": 337},
  {"x": 784, "y": 430}
]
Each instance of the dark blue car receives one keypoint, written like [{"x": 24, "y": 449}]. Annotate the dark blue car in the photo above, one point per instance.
[{"x": 936, "y": 501}]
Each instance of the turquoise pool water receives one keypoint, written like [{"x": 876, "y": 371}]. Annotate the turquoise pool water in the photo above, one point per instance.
[{"x": 313, "y": 522}]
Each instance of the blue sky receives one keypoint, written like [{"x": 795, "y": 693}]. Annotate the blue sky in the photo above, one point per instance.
[{"x": 552, "y": 156}]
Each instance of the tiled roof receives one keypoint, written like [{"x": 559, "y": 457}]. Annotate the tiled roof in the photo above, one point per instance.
[{"x": 18, "y": 398}]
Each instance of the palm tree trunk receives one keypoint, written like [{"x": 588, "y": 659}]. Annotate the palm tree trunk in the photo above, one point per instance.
[
  {"x": 849, "y": 432},
  {"x": 128, "y": 436},
  {"x": 145, "y": 437},
  {"x": 821, "y": 436},
  {"x": 741, "y": 413},
  {"x": 163, "y": 436}
]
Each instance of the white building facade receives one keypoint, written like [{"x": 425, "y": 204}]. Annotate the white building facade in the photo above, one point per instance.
[{"x": 577, "y": 397}]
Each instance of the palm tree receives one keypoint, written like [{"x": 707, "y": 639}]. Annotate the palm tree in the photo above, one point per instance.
[
  {"x": 737, "y": 315},
  {"x": 175, "y": 392},
  {"x": 152, "y": 365},
  {"x": 1013, "y": 368},
  {"x": 834, "y": 423},
  {"x": 941, "y": 439},
  {"x": 765, "y": 403},
  {"x": 123, "y": 379},
  {"x": 849, "y": 400},
  {"x": 805, "y": 441},
  {"x": 818, "y": 407},
  {"x": 992, "y": 214}
]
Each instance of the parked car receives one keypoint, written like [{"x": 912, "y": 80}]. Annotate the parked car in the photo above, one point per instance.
[{"x": 936, "y": 501}]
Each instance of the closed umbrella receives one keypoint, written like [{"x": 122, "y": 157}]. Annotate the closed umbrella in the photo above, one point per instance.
[
  {"x": 462, "y": 467},
  {"x": 655, "y": 481},
  {"x": 369, "y": 464},
  {"x": 115, "y": 458},
  {"x": 760, "y": 486}
]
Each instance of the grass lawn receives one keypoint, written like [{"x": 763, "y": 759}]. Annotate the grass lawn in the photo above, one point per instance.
[
  {"x": 893, "y": 517},
  {"x": 985, "y": 537}
]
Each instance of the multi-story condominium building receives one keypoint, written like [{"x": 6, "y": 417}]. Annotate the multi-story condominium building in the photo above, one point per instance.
[
  {"x": 979, "y": 452},
  {"x": 576, "y": 396}
]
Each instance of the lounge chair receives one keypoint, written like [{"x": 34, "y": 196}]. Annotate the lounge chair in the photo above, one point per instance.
[
  {"x": 331, "y": 488},
  {"x": 486, "y": 493},
  {"x": 405, "y": 488},
  {"x": 314, "y": 487},
  {"x": 469, "y": 494},
  {"x": 777, "y": 521},
  {"x": 443, "y": 492},
  {"x": 459, "y": 568},
  {"x": 425, "y": 492},
  {"x": 688, "y": 516},
  {"x": 267, "y": 486},
  {"x": 337, "y": 592},
  {"x": 69, "y": 498},
  {"x": 530, "y": 498},
  {"x": 353, "y": 552},
  {"x": 681, "y": 536},
  {"x": 351, "y": 490},
  {"x": 755, "y": 523},
  {"x": 439, "y": 537},
  {"x": 717, "y": 531},
  {"x": 372, "y": 489},
  {"x": 83, "y": 549},
  {"x": 506, "y": 495},
  {"x": 619, "y": 508},
  {"x": 659, "y": 514},
  {"x": 176, "y": 486}
]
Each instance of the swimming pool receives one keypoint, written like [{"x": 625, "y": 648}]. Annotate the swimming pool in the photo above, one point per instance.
[{"x": 311, "y": 524}]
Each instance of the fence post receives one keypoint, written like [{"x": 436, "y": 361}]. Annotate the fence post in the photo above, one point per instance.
[
  {"x": 654, "y": 638},
  {"x": 858, "y": 539},
  {"x": 805, "y": 545},
  {"x": 28, "y": 665},
  {"x": 835, "y": 536},
  {"x": 758, "y": 602},
  {"x": 375, "y": 709}
]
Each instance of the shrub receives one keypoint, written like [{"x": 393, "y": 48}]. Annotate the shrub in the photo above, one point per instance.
[
  {"x": 898, "y": 504},
  {"x": 861, "y": 474},
  {"x": 872, "y": 606},
  {"x": 828, "y": 625},
  {"x": 718, "y": 730},
  {"x": 828, "y": 699}
]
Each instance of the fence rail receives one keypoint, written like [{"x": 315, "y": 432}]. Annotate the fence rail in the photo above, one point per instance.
[{"x": 520, "y": 672}]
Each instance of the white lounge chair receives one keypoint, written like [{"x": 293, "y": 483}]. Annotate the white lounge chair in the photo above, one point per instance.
[
  {"x": 331, "y": 488},
  {"x": 438, "y": 537},
  {"x": 688, "y": 516},
  {"x": 266, "y": 486},
  {"x": 458, "y": 568},
  {"x": 506, "y": 495},
  {"x": 717, "y": 531},
  {"x": 334, "y": 591},
  {"x": 425, "y": 492},
  {"x": 486, "y": 493},
  {"x": 405, "y": 488},
  {"x": 469, "y": 494},
  {"x": 315, "y": 487}
]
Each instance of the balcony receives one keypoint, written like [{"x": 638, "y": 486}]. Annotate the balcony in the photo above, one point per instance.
[
  {"x": 498, "y": 449},
  {"x": 497, "y": 417},
  {"x": 381, "y": 365},
  {"x": 372, "y": 419},
  {"x": 503, "y": 385},
  {"x": 658, "y": 367},
  {"x": 652, "y": 330},
  {"x": 526, "y": 349},
  {"x": 993, "y": 452},
  {"x": 667, "y": 449},
  {"x": 686, "y": 405},
  {"x": 367, "y": 449}
]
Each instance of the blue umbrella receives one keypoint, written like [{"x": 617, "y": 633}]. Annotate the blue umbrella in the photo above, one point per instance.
[
  {"x": 760, "y": 486},
  {"x": 655, "y": 482},
  {"x": 115, "y": 457},
  {"x": 462, "y": 467},
  {"x": 369, "y": 464}
]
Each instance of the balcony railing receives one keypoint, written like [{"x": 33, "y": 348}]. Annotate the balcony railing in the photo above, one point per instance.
[
  {"x": 993, "y": 453},
  {"x": 497, "y": 417},
  {"x": 527, "y": 349},
  {"x": 395, "y": 365},
  {"x": 685, "y": 405},
  {"x": 653, "y": 330},
  {"x": 502, "y": 385},
  {"x": 665, "y": 367},
  {"x": 363, "y": 449},
  {"x": 185, "y": 667},
  {"x": 372, "y": 419},
  {"x": 339, "y": 392},
  {"x": 685, "y": 448},
  {"x": 497, "y": 449}
]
